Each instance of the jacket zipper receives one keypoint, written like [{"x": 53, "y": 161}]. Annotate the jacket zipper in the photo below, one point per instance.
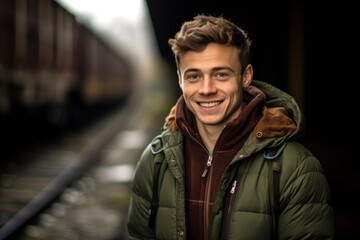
[{"x": 228, "y": 210}]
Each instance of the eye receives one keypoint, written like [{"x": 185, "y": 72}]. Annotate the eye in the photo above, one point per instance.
[
  {"x": 192, "y": 77},
  {"x": 223, "y": 75}
]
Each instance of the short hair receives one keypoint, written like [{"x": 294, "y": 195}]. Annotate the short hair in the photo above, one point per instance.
[{"x": 196, "y": 34}]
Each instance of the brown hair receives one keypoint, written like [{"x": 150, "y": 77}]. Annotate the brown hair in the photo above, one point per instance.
[{"x": 196, "y": 34}]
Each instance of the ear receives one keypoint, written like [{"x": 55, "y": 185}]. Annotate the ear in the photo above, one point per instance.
[{"x": 247, "y": 76}]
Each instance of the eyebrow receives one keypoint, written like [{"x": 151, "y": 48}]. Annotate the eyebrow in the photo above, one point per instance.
[
  {"x": 223, "y": 68},
  {"x": 212, "y": 70}
]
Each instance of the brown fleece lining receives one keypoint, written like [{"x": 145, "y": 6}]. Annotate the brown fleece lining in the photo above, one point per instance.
[
  {"x": 274, "y": 123},
  {"x": 170, "y": 119}
]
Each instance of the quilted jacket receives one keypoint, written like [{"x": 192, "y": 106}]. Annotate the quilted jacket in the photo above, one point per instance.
[{"x": 305, "y": 209}]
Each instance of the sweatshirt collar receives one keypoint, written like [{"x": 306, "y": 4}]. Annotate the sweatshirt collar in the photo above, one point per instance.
[{"x": 235, "y": 131}]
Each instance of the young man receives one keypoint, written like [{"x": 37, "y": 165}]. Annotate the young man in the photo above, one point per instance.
[{"x": 211, "y": 173}]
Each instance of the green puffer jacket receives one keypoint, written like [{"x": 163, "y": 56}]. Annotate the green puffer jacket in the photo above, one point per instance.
[{"x": 305, "y": 212}]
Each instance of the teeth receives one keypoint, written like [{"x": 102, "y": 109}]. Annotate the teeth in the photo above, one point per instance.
[{"x": 212, "y": 104}]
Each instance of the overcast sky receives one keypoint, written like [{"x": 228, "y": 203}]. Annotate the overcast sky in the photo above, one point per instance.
[
  {"x": 126, "y": 22},
  {"x": 105, "y": 11}
]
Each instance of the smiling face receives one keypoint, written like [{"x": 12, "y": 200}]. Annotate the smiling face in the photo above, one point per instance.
[{"x": 212, "y": 84}]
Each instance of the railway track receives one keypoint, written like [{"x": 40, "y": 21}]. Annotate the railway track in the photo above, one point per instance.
[{"x": 52, "y": 176}]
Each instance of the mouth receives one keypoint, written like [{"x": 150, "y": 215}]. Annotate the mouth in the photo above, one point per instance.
[{"x": 209, "y": 104}]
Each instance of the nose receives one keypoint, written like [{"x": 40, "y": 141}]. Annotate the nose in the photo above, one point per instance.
[{"x": 207, "y": 86}]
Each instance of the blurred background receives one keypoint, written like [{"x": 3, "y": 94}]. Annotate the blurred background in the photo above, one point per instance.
[{"x": 84, "y": 84}]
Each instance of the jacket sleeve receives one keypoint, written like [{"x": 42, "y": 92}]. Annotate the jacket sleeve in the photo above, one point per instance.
[
  {"x": 305, "y": 197},
  {"x": 140, "y": 201}
]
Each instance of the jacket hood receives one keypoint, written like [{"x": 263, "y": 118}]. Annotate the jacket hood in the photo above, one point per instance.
[{"x": 283, "y": 109}]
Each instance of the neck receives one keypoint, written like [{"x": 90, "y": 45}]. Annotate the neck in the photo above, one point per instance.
[{"x": 209, "y": 134}]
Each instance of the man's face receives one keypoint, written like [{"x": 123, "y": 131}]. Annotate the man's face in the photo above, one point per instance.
[{"x": 212, "y": 84}]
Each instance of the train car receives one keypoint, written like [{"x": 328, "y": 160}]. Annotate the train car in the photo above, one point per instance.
[{"x": 54, "y": 70}]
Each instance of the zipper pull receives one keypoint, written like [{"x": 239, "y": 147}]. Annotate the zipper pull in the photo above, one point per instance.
[
  {"x": 233, "y": 187},
  {"x": 205, "y": 172},
  {"x": 208, "y": 164}
]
